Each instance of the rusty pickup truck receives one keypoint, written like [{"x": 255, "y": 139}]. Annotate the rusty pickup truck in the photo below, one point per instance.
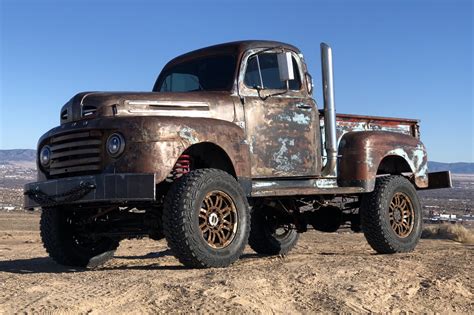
[{"x": 228, "y": 149}]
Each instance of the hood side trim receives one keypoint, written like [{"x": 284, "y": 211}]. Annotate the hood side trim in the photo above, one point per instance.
[{"x": 171, "y": 104}]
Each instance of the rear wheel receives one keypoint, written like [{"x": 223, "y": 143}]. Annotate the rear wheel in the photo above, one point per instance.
[
  {"x": 391, "y": 216},
  {"x": 206, "y": 219},
  {"x": 268, "y": 236},
  {"x": 66, "y": 244}
]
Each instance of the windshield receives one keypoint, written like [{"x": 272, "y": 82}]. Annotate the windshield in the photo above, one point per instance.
[{"x": 213, "y": 73}]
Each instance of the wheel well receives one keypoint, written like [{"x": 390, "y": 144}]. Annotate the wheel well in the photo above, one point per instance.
[
  {"x": 394, "y": 165},
  {"x": 210, "y": 155}
]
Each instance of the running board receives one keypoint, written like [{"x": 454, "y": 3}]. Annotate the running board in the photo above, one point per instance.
[{"x": 301, "y": 187}]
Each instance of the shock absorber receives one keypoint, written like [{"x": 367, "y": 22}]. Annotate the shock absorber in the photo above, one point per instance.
[{"x": 180, "y": 168}]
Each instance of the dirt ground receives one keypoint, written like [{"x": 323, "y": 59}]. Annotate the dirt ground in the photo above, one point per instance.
[{"x": 336, "y": 272}]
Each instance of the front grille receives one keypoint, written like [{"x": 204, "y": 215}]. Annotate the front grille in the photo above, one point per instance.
[{"x": 78, "y": 152}]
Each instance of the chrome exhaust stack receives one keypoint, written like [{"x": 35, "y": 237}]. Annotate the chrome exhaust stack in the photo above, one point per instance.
[{"x": 330, "y": 144}]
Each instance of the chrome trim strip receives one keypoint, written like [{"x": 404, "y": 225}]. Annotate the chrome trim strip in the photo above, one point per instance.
[
  {"x": 175, "y": 113},
  {"x": 169, "y": 103}
]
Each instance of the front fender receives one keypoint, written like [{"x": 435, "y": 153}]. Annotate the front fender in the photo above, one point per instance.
[
  {"x": 154, "y": 143},
  {"x": 360, "y": 154},
  {"x": 160, "y": 142}
]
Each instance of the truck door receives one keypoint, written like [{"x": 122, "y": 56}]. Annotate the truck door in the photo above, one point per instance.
[{"x": 281, "y": 124}]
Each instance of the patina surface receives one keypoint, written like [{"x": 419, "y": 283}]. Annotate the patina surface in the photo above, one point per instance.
[
  {"x": 155, "y": 143},
  {"x": 362, "y": 153},
  {"x": 264, "y": 137}
]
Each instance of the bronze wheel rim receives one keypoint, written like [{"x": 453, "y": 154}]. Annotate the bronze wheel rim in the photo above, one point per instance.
[
  {"x": 218, "y": 219},
  {"x": 402, "y": 215}
]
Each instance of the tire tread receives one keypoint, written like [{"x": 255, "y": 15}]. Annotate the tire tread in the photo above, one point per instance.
[
  {"x": 372, "y": 213},
  {"x": 177, "y": 216}
]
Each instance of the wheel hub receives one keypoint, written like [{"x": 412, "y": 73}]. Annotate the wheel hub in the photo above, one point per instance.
[
  {"x": 213, "y": 219},
  {"x": 397, "y": 215}
]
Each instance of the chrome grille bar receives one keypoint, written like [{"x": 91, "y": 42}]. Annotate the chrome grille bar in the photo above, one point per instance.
[{"x": 78, "y": 152}]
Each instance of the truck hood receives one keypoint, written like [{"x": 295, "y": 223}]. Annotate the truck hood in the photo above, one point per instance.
[{"x": 88, "y": 105}]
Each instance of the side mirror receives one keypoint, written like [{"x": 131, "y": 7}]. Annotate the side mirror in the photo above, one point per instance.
[{"x": 285, "y": 66}]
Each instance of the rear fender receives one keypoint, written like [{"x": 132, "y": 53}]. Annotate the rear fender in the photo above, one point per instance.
[{"x": 360, "y": 155}]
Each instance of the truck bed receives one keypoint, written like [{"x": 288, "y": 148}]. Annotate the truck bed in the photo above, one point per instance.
[{"x": 350, "y": 123}]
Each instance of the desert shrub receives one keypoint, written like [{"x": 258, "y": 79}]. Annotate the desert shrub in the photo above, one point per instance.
[{"x": 453, "y": 232}]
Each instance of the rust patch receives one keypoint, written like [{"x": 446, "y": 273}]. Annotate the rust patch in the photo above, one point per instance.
[{"x": 282, "y": 137}]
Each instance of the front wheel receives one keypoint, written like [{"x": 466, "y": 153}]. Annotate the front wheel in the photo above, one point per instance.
[
  {"x": 206, "y": 219},
  {"x": 65, "y": 242},
  {"x": 391, "y": 216}
]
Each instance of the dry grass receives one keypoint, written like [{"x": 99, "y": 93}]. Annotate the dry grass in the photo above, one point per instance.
[{"x": 455, "y": 232}]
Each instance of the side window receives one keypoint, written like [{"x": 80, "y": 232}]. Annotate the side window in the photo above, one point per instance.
[
  {"x": 180, "y": 82},
  {"x": 264, "y": 67}
]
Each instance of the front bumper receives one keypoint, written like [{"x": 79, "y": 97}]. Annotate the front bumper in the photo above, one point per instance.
[{"x": 103, "y": 188}]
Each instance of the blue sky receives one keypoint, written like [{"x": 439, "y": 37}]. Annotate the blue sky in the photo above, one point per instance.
[{"x": 392, "y": 58}]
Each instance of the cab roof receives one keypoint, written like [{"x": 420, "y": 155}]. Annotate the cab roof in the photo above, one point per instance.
[{"x": 236, "y": 48}]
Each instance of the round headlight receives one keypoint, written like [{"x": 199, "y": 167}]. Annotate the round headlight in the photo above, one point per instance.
[
  {"x": 45, "y": 156},
  {"x": 115, "y": 144}
]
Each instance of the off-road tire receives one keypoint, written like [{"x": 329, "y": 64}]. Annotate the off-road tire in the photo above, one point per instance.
[
  {"x": 264, "y": 241},
  {"x": 181, "y": 219},
  {"x": 58, "y": 240},
  {"x": 374, "y": 215}
]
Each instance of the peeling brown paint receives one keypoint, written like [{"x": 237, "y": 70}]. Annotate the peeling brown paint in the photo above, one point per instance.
[
  {"x": 282, "y": 137},
  {"x": 362, "y": 152},
  {"x": 153, "y": 144},
  {"x": 278, "y": 137}
]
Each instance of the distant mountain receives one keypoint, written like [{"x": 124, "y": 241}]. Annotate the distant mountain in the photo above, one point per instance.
[
  {"x": 457, "y": 168},
  {"x": 17, "y": 155},
  {"x": 29, "y": 155}
]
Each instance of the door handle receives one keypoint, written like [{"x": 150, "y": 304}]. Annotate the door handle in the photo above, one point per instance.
[{"x": 304, "y": 106}]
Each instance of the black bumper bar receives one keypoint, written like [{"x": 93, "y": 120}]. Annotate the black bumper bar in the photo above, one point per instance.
[
  {"x": 438, "y": 180},
  {"x": 103, "y": 188}
]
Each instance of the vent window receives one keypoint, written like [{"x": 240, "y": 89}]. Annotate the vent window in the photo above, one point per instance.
[
  {"x": 64, "y": 115},
  {"x": 88, "y": 110}
]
